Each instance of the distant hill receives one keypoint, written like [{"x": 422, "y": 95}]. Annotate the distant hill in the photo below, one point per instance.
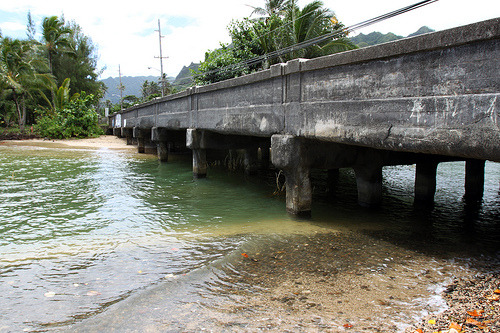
[
  {"x": 421, "y": 31},
  {"x": 183, "y": 79},
  {"x": 376, "y": 37},
  {"x": 132, "y": 86}
]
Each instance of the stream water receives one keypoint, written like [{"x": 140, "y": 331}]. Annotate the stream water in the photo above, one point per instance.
[{"x": 109, "y": 240}]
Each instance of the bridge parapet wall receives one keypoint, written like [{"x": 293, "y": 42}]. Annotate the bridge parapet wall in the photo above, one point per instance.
[{"x": 435, "y": 94}]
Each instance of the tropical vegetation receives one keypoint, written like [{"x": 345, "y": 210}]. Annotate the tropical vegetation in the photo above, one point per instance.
[
  {"x": 36, "y": 77},
  {"x": 282, "y": 31}
]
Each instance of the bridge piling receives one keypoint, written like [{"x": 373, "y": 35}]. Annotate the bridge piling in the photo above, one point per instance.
[
  {"x": 474, "y": 179},
  {"x": 289, "y": 154},
  {"x": 251, "y": 161},
  {"x": 195, "y": 142},
  {"x": 425, "y": 181},
  {"x": 159, "y": 135},
  {"x": 139, "y": 135},
  {"x": 369, "y": 184},
  {"x": 128, "y": 134}
]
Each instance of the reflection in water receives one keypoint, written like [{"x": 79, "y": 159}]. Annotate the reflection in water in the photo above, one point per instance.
[{"x": 95, "y": 238}]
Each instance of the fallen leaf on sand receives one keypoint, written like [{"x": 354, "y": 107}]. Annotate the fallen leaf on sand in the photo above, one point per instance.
[
  {"x": 455, "y": 328},
  {"x": 475, "y": 313},
  {"x": 475, "y": 322},
  {"x": 244, "y": 255},
  {"x": 93, "y": 293},
  {"x": 348, "y": 326},
  {"x": 49, "y": 294}
]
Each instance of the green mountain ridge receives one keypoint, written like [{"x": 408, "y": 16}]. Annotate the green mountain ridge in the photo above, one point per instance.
[
  {"x": 132, "y": 86},
  {"x": 376, "y": 37}
]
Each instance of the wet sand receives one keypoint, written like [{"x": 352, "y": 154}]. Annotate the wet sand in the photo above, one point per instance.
[
  {"x": 315, "y": 283},
  {"x": 102, "y": 142}
]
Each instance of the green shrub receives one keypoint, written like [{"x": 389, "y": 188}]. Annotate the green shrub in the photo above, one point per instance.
[{"x": 77, "y": 119}]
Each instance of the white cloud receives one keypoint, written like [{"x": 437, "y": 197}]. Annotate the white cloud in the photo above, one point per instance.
[{"x": 13, "y": 28}]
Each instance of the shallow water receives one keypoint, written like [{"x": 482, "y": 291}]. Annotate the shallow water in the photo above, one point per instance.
[{"x": 92, "y": 239}]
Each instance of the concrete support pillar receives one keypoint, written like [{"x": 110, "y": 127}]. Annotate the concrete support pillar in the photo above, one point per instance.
[
  {"x": 162, "y": 150},
  {"x": 333, "y": 180},
  {"x": 251, "y": 161},
  {"x": 196, "y": 142},
  {"x": 369, "y": 183},
  {"x": 298, "y": 190},
  {"x": 474, "y": 179},
  {"x": 141, "y": 146},
  {"x": 289, "y": 154},
  {"x": 160, "y": 136},
  {"x": 265, "y": 155},
  {"x": 425, "y": 181},
  {"x": 127, "y": 133},
  {"x": 139, "y": 135},
  {"x": 199, "y": 163}
]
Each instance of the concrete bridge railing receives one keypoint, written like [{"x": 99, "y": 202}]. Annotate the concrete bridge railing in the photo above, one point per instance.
[{"x": 419, "y": 100}]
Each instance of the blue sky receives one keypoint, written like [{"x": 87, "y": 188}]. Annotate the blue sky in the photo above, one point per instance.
[{"x": 125, "y": 32}]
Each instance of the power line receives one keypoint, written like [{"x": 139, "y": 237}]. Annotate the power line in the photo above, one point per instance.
[{"x": 334, "y": 34}]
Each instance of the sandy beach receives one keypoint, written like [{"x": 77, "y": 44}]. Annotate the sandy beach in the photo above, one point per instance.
[{"x": 104, "y": 141}]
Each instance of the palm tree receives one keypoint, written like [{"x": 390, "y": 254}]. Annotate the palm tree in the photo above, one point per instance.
[
  {"x": 272, "y": 7},
  {"x": 55, "y": 37},
  {"x": 62, "y": 97},
  {"x": 310, "y": 22},
  {"x": 19, "y": 73}
]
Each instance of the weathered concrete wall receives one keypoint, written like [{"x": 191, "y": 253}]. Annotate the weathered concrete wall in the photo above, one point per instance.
[
  {"x": 436, "y": 94},
  {"x": 438, "y": 101}
]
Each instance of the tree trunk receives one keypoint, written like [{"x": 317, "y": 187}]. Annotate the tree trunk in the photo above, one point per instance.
[
  {"x": 23, "y": 105},
  {"x": 18, "y": 109}
]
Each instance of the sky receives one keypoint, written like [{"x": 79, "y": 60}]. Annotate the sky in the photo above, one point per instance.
[{"x": 126, "y": 34}]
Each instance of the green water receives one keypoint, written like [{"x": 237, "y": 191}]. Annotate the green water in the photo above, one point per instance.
[{"x": 84, "y": 230}]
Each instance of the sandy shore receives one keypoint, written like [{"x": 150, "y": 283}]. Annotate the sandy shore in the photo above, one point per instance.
[{"x": 104, "y": 141}]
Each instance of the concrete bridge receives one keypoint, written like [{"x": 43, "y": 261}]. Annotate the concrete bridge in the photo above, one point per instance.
[{"x": 420, "y": 100}]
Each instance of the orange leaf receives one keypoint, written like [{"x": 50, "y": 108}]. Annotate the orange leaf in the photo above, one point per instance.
[
  {"x": 475, "y": 322},
  {"x": 493, "y": 298},
  {"x": 456, "y": 327},
  {"x": 472, "y": 321},
  {"x": 244, "y": 255},
  {"x": 475, "y": 313},
  {"x": 418, "y": 330},
  {"x": 348, "y": 326},
  {"x": 497, "y": 291}
]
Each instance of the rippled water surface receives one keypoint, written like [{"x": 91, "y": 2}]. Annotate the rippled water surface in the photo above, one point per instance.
[{"x": 85, "y": 234}]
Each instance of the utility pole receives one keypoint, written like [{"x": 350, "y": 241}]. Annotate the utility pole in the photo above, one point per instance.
[
  {"x": 121, "y": 88},
  {"x": 161, "y": 60}
]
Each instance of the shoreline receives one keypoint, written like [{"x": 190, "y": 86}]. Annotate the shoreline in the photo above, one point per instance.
[{"x": 102, "y": 142}]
